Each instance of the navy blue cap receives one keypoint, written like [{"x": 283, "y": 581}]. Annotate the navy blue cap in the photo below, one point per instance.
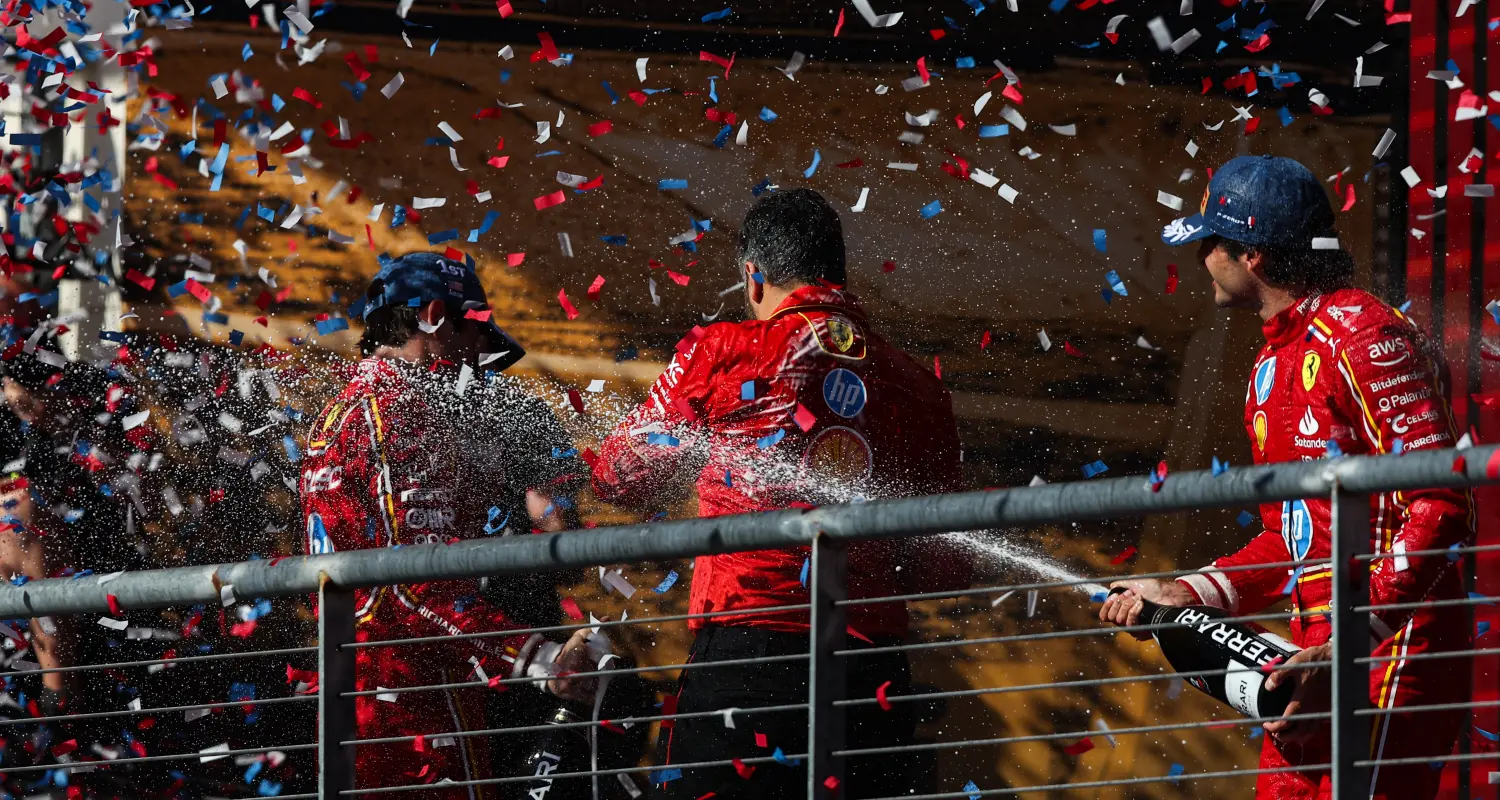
[
  {"x": 417, "y": 279},
  {"x": 1259, "y": 200}
]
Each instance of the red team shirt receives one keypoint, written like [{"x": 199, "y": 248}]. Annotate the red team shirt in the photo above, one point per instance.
[
  {"x": 805, "y": 408},
  {"x": 1345, "y": 367}
]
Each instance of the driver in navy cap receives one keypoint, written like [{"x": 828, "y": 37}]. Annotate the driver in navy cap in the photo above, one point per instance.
[
  {"x": 409, "y": 454},
  {"x": 1341, "y": 372}
]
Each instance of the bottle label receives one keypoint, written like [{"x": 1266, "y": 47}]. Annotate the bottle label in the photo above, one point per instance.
[{"x": 1242, "y": 688}]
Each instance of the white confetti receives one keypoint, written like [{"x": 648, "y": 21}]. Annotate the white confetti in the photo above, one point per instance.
[
  {"x": 1410, "y": 176},
  {"x": 864, "y": 195},
  {"x": 795, "y": 64},
  {"x": 640, "y": 68},
  {"x": 876, "y": 20},
  {"x": 1008, "y": 193},
  {"x": 1386, "y": 140},
  {"x": 390, "y": 89},
  {"x": 983, "y": 178},
  {"x": 596, "y": 386},
  {"x": 449, "y": 132},
  {"x": 922, "y": 121},
  {"x": 743, "y": 138},
  {"x": 1325, "y": 243},
  {"x": 420, "y": 203},
  {"x": 114, "y": 624},
  {"x": 132, "y": 421},
  {"x": 1044, "y": 339},
  {"x": 902, "y": 165},
  {"x": 565, "y": 243},
  {"x": 207, "y": 753},
  {"x": 507, "y": 52},
  {"x": 543, "y": 131},
  {"x": 1171, "y": 201},
  {"x": 1192, "y": 149},
  {"x": 982, "y": 102}
]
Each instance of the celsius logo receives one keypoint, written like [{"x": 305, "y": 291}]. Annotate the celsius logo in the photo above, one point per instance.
[
  {"x": 1389, "y": 353},
  {"x": 1265, "y": 379},
  {"x": 844, "y": 393},
  {"x": 1309, "y": 424}
]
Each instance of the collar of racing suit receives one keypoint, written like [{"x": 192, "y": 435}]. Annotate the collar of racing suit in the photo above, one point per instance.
[
  {"x": 819, "y": 297},
  {"x": 1292, "y": 321}
]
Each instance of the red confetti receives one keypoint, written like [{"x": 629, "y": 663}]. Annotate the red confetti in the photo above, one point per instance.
[
  {"x": 595, "y": 287},
  {"x": 600, "y": 128},
  {"x": 483, "y": 315},
  {"x": 1348, "y": 197},
  {"x": 1171, "y": 279},
  {"x": 805, "y": 419},
  {"x": 922, "y": 70},
  {"x": 1123, "y": 556},
  {"x": 575, "y": 400},
  {"x": 1261, "y": 43},
  {"x": 678, "y": 278},
  {"x": 1251, "y": 125},
  {"x": 669, "y": 709},
  {"x": 548, "y": 200},
  {"x": 959, "y": 119},
  {"x": 1460, "y": 464},
  {"x": 570, "y": 607},
  {"x": 937, "y": 34},
  {"x": 515, "y": 259},
  {"x": 307, "y": 97},
  {"x": 726, "y": 63},
  {"x": 1011, "y": 93},
  {"x": 504, "y": 8},
  {"x": 358, "y": 68},
  {"x": 831, "y": 783},
  {"x": 562, "y": 299},
  {"x": 1073, "y": 351},
  {"x": 880, "y": 696},
  {"x": 1398, "y": 18},
  {"x": 745, "y": 770},
  {"x": 984, "y": 341},
  {"x": 1270, "y": 666},
  {"x": 1492, "y": 469},
  {"x": 198, "y": 290},
  {"x": 937, "y": 367},
  {"x": 760, "y": 740},
  {"x": 839, "y": 26},
  {"x": 136, "y": 277},
  {"x": 858, "y": 162},
  {"x": 889, "y": 266},
  {"x": 420, "y": 744},
  {"x": 65, "y": 748},
  {"x": 549, "y": 49},
  {"x": 114, "y": 605},
  {"x": 499, "y": 162},
  {"x": 1079, "y": 747}
]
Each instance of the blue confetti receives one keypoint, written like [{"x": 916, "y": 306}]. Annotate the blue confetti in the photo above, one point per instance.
[
  {"x": 932, "y": 209},
  {"x": 491, "y": 527},
  {"x": 964, "y": 62},
  {"x": 290, "y": 446},
  {"x": 973, "y": 789},
  {"x": 1113, "y": 278},
  {"x": 613, "y": 97},
  {"x": 614, "y": 239},
  {"x": 723, "y": 137},
  {"x": 713, "y": 89},
  {"x": 747, "y": 390},
  {"x": 668, "y": 184},
  {"x": 1176, "y": 769},
  {"x": 993, "y": 131},
  {"x": 666, "y": 583},
  {"x": 728, "y": 479},
  {"x": 1286, "y": 116},
  {"x": 1057, "y": 5},
  {"x": 1100, "y": 242},
  {"x": 1494, "y": 737},
  {"x": 662, "y": 439},
  {"x": 760, "y": 188},
  {"x": 1244, "y": 519},
  {"x": 1481, "y": 628},
  {"x": 433, "y": 49},
  {"x": 806, "y": 568},
  {"x": 817, "y": 159},
  {"x": 771, "y": 440},
  {"x": 781, "y": 759},
  {"x": 1220, "y": 467},
  {"x": 1291, "y": 581},
  {"x": 665, "y": 775},
  {"x": 332, "y": 325},
  {"x": 246, "y": 52},
  {"x": 1095, "y": 468},
  {"x": 1098, "y": 597},
  {"x": 717, "y": 15},
  {"x": 1478, "y": 596},
  {"x": 766, "y": 115}
]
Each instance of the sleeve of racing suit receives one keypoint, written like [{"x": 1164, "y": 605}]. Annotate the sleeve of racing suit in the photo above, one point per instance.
[
  {"x": 409, "y": 495},
  {"x": 1236, "y": 584},
  {"x": 653, "y": 453},
  {"x": 1394, "y": 389}
]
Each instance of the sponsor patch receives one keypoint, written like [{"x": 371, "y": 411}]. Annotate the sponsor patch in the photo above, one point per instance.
[
  {"x": 1259, "y": 424},
  {"x": 1296, "y": 528},
  {"x": 1311, "y": 363},
  {"x": 840, "y": 454},
  {"x": 844, "y": 393},
  {"x": 1265, "y": 380}
]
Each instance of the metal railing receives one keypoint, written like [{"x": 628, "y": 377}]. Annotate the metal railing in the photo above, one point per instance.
[{"x": 827, "y": 531}]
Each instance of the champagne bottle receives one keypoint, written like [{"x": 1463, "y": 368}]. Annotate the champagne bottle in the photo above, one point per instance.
[
  {"x": 1197, "y": 639},
  {"x": 557, "y": 751}
]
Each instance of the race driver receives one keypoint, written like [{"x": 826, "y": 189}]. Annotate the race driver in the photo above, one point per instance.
[
  {"x": 1340, "y": 372},
  {"x": 800, "y": 405},
  {"x": 388, "y": 466}
]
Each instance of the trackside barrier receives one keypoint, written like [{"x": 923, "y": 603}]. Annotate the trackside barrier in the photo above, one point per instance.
[{"x": 1349, "y": 482}]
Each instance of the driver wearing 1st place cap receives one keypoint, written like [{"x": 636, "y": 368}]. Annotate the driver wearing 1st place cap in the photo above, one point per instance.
[{"x": 1340, "y": 373}]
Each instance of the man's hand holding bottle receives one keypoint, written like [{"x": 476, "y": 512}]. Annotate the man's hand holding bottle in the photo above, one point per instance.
[{"x": 1124, "y": 608}]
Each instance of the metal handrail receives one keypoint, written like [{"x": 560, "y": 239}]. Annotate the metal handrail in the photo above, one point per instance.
[{"x": 473, "y": 558}]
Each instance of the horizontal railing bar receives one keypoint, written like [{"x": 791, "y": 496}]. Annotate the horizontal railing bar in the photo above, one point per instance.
[
  {"x": 1186, "y": 776},
  {"x": 1393, "y": 762},
  {"x": 1103, "y": 579},
  {"x": 1086, "y": 683},
  {"x": 1068, "y": 634},
  {"x": 758, "y": 760},
  {"x": 1449, "y": 603},
  {"x": 588, "y": 724},
  {"x": 1049, "y": 737},
  {"x": 491, "y": 556},
  {"x": 218, "y": 754},
  {"x": 1380, "y": 712},
  {"x": 731, "y": 662},
  {"x": 151, "y": 662},
  {"x": 1483, "y": 548},
  {"x": 264, "y": 701},
  {"x": 1438, "y": 656},
  {"x": 576, "y": 627}
]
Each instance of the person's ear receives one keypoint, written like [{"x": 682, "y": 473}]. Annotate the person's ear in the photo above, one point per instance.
[
  {"x": 432, "y": 313},
  {"x": 1254, "y": 262},
  {"x": 755, "y": 282}
]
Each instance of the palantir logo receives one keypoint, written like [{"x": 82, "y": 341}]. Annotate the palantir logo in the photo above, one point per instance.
[
  {"x": 844, "y": 393},
  {"x": 1296, "y": 528},
  {"x": 1265, "y": 379}
]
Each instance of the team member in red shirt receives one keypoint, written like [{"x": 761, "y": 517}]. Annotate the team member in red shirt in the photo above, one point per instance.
[
  {"x": 1341, "y": 373},
  {"x": 390, "y": 464},
  {"x": 802, "y": 404}
]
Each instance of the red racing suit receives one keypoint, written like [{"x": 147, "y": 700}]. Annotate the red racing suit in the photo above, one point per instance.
[
  {"x": 382, "y": 470},
  {"x": 805, "y": 408},
  {"x": 1346, "y": 368}
]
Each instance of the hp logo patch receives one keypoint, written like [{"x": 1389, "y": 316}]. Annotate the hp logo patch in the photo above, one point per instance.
[
  {"x": 1265, "y": 379},
  {"x": 844, "y": 393},
  {"x": 1296, "y": 528}
]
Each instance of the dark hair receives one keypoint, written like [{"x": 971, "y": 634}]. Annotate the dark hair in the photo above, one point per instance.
[
  {"x": 794, "y": 236},
  {"x": 391, "y": 326},
  {"x": 1300, "y": 267}
]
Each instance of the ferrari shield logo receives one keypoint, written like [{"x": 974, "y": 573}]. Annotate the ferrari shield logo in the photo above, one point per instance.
[
  {"x": 1310, "y": 364},
  {"x": 841, "y": 333}
]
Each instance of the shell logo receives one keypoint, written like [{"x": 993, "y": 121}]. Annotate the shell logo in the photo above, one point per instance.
[{"x": 1261, "y": 427}]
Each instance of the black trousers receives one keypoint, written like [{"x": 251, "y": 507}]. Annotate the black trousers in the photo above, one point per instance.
[{"x": 772, "y": 684}]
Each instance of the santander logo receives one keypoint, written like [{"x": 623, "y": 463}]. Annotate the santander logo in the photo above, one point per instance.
[{"x": 1309, "y": 424}]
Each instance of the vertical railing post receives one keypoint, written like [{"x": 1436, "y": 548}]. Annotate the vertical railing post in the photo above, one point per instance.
[
  {"x": 826, "y": 682},
  {"x": 1351, "y": 640},
  {"x": 335, "y": 680}
]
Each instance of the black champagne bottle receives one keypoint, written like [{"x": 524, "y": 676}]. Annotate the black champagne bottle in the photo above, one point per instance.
[
  {"x": 560, "y": 750},
  {"x": 1196, "y": 639}
]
